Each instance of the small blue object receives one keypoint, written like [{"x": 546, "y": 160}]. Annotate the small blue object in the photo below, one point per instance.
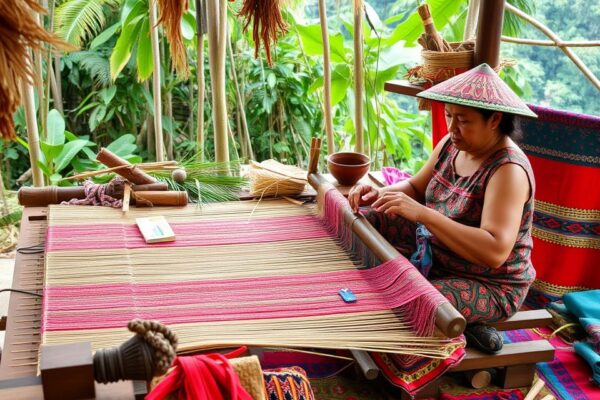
[{"x": 347, "y": 295}]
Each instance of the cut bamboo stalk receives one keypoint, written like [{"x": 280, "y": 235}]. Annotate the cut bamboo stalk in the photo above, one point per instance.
[
  {"x": 33, "y": 137},
  {"x": 326, "y": 78},
  {"x": 200, "y": 28},
  {"x": 158, "y": 128},
  {"x": 217, "y": 25},
  {"x": 358, "y": 76}
]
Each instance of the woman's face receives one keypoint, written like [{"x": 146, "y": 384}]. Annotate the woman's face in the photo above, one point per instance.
[{"x": 469, "y": 130}]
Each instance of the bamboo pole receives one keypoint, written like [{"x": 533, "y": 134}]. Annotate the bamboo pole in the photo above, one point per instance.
[
  {"x": 33, "y": 137},
  {"x": 200, "y": 28},
  {"x": 326, "y": 78},
  {"x": 246, "y": 144},
  {"x": 358, "y": 76},
  {"x": 217, "y": 25},
  {"x": 58, "y": 82},
  {"x": 168, "y": 100},
  {"x": 158, "y": 131},
  {"x": 49, "y": 69},
  {"x": 3, "y": 194},
  {"x": 191, "y": 108},
  {"x": 471, "y": 23},
  {"x": 548, "y": 32},
  {"x": 551, "y": 43}
]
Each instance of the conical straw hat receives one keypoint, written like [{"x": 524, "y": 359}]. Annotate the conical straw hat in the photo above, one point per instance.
[{"x": 479, "y": 87}]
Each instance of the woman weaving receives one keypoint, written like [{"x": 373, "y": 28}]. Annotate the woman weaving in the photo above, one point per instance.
[{"x": 465, "y": 218}]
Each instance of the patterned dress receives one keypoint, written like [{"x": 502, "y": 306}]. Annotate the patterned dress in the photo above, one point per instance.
[{"x": 479, "y": 293}]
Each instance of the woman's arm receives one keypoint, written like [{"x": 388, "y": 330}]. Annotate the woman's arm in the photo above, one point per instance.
[
  {"x": 490, "y": 244},
  {"x": 361, "y": 195}
]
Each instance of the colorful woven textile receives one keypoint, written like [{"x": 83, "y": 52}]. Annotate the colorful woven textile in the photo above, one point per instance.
[
  {"x": 514, "y": 394},
  {"x": 238, "y": 273},
  {"x": 564, "y": 151},
  {"x": 479, "y": 87},
  {"x": 568, "y": 376},
  {"x": 287, "y": 384}
]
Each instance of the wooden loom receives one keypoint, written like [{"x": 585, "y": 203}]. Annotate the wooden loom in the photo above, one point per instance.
[{"x": 23, "y": 332}]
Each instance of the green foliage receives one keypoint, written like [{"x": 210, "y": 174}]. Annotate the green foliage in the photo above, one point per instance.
[
  {"x": 549, "y": 76},
  {"x": 63, "y": 152},
  {"x": 79, "y": 20}
]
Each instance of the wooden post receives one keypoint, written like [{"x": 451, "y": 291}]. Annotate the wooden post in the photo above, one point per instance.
[
  {"x": 358, "y": 76},
  {"x": 489, "y": 31},
  {"x": 217, "y": 35},
  {"x": 33, "y": 137},
  {"x": 158, "y": 131},
  {"x": 326, "y": 78}
]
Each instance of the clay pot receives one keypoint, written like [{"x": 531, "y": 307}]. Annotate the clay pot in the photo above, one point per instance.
[{"x": 348, "y": 167}]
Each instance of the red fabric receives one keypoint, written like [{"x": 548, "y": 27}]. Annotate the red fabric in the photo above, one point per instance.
[
  {"x": 564, "y": 184},
  {"x": 201, "y": 377},
  {"x": 438, "y": 122},
  {"x": 552, "y": 262}
]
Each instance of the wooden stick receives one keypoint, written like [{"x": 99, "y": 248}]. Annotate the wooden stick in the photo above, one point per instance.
[
  {"x": 535, "y": 389},
  {"x": 126, "y": 197},
  {"x": 143, "y": 166}
]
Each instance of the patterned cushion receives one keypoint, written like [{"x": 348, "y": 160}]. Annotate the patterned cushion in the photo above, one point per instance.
[{"x": 287, "y": 384}]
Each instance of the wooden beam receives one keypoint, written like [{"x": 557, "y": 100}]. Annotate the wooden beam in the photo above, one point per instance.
[
  {"x": 519, "y": 353},
  {"x": 525, "y": 320},
  {"x": 402, "y": 87},
  {"x": 489, "y": 31}
]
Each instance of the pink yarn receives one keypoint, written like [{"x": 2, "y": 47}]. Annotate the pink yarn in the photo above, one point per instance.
[
  {"x": 392, "y": 285},
  {"x": 393, "y": 175},
  {"x": 205, "y": 233},
  {"x": 95, "y": 196}
]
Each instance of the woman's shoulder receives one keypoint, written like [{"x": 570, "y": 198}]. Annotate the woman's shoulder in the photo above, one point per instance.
[{"x": 512, "y": 153}]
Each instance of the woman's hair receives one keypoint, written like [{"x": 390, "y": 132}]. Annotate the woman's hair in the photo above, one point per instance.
[{"x": 509, "y": 124}]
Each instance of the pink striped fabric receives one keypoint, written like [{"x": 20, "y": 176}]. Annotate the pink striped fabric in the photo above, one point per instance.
[
  {"x": 205, "y": 233},
  {"x": 101, "y": 306}
]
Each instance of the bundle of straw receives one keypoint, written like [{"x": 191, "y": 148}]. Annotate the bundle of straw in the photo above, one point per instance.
[{"x": 271, "y": 178}]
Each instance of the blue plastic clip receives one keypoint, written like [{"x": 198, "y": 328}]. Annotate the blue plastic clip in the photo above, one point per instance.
[{"x": 347, "y": 295}]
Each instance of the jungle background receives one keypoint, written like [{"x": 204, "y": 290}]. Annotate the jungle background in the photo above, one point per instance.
[{"x": 106, "y": 100}]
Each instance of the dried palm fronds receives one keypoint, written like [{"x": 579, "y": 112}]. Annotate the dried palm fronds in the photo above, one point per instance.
[
  {"x": 171, "y": 12},
  {"x": 19, "y": 30},
  {"x": 267, "y": 23}
]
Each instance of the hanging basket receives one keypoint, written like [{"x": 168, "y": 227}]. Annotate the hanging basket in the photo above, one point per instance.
[{"x": 439, "y": 66}]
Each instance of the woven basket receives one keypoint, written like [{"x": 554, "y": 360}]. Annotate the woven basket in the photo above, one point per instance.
[{"x": 439, "y": 66}]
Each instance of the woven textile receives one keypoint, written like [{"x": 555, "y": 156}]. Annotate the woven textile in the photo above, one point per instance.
[
  {"x": 567, "y": 376},
  {"x": 564, "y": 151},
  {"x": 237, "y": 273},
  {"x": 287, "y": 384}
]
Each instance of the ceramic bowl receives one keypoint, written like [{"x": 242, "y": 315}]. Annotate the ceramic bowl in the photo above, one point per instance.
[{"x": 348, "y": 167}]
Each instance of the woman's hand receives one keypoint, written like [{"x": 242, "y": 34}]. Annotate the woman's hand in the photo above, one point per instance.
[
  {"x": 401, "y": 204},
  {"x": 362, "y": 195}
]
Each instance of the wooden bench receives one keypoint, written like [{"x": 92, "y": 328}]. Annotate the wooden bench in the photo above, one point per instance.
[{"x": 516, "y": 361}]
